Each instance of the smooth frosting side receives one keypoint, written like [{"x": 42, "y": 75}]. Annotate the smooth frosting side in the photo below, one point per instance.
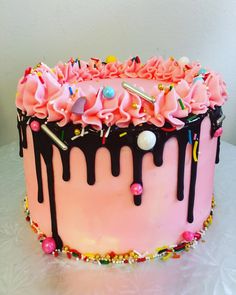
[{"x": 50, "y": 93}]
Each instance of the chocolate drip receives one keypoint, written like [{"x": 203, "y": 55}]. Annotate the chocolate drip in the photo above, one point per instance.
[
  {"x": 193, "y": 176},
  {"x": 38, "y": 166},
  {"x": 217, "y": 160},
  {"x": 43, "y": 146},
  {"x": 20, "y": 139},
  {"x": 159, "y": 149},
  {"x": 115, "y": 160},
  {"x": 137, "y": 172},
  {"x": 21, "y": 125},
  {"x": 182, "y": 144},
  {"x": 50, "y": 178},
  {"x": 24, "y": 136},
  {"x": 215, "y": 115},
  {"x": 65, "y": 158}
]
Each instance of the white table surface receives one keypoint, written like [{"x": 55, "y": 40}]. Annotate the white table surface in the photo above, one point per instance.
[{"x": 210, "y": 269}]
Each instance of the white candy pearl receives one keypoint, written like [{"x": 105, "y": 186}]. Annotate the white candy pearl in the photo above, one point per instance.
[
  {"x": 184, "y": 60},
  {"x": 146, "y": 140}
]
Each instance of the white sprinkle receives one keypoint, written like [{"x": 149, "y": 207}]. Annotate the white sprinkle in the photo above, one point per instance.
[
  {"x": 107, "y": 132},
  {"x": 101, "y": 133},
  {"x": 82, "y": 132},
  {"x": 77, "y": 136}
]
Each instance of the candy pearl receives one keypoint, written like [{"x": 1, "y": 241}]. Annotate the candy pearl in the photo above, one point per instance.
[
  {"x": 111, "y": 58},
  {"x": 198, "y": 79},
  {"x": 218, "y": 132},
  {"x": 146, "y": 140},
  {"x": 48, "y": 245},
  {"x": 77, "y": 132},
  {"x": 188, "y": 236},
  {"x": 202, "y": 71},
  {"x": 136, "y": 189},
  {"x": 35, "y": 126},
  {"x": 184, "y": 60},
  {"x": 108, "y": 92}
]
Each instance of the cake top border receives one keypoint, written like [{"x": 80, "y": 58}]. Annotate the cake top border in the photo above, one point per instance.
[{"x": 182, "y": 89}]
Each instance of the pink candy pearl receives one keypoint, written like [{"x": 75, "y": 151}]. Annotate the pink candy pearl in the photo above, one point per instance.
[
  {"x": 48, "y": 245},
  {"x": 218, "y": 132},
  {"x": 136, "y": 189},
  {"x": 188, "y": 236},
  {"x": 35, "y": 126}
]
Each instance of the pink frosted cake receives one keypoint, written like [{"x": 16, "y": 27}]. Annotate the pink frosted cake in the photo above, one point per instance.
[{"x": 119, "y": 158}]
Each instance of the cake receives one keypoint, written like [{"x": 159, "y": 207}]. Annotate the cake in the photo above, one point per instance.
[{"x": 119, "y": 158}]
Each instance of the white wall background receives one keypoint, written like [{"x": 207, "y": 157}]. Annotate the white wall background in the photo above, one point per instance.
[{"x": 49, "y": 31}]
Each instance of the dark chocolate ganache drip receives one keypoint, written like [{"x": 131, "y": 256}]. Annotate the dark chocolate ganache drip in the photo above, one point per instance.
[{"x": 89, "y": 141}]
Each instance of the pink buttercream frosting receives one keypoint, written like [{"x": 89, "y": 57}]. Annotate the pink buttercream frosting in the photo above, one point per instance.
[{"x": 50, "y": 93}]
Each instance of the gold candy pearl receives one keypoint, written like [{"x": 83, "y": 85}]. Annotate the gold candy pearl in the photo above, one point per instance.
[
  {"x": 172, "y": 58},
  {"x": 107, "y": 257},
  {"x": 131, "y": 254},
  {"x": 121, "y": 257},
  {"x": 77, "y": 131},
  {"x": 126, "y": 256},
  {"x": 111, "y": 58},
  {"x": 134, "y": 105},
  {"x": 66, "y": 248}
]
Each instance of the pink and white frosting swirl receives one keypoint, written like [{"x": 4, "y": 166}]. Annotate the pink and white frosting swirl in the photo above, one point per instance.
[{"x": 51, "y": 93}]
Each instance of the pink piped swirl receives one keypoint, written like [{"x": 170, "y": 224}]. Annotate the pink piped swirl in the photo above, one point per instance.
[{"x": 46, "y": 93}]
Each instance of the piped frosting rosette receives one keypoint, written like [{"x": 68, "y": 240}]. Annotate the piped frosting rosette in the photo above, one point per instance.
[{"x": 178, "y": 89}]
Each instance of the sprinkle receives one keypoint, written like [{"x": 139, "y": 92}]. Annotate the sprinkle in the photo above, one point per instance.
[
  {"x": 171, "y": 86},
  {"x": 137, "y": 59},
  {"x": 101, "y": 133},
  {"x": 71, "y": 91},
  {"x": 122, "y": 134},
  {"x": 191, "y": 119},
  {"x": 190, "y": 136},
  {"x": 79, "y": 64},
  {"x": 62, "y": 134},
  {"x": 195, "y": 136},
  {"x": 61, "y": 144},
  {"x": 80, "y": 135},
  {"x": 176, "y": 256},
  {"x": 40, "y": 77},
  {"x": 104, "y": 139},
  {"x": 168, "y": 129},
  {"x": 181, "y": 103},
  {"x": 166, "y": 257},
  {"x": 107, "y": 132},
  {"x": 137, "y": 91},
  {"x": 195, "y": 151}
]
